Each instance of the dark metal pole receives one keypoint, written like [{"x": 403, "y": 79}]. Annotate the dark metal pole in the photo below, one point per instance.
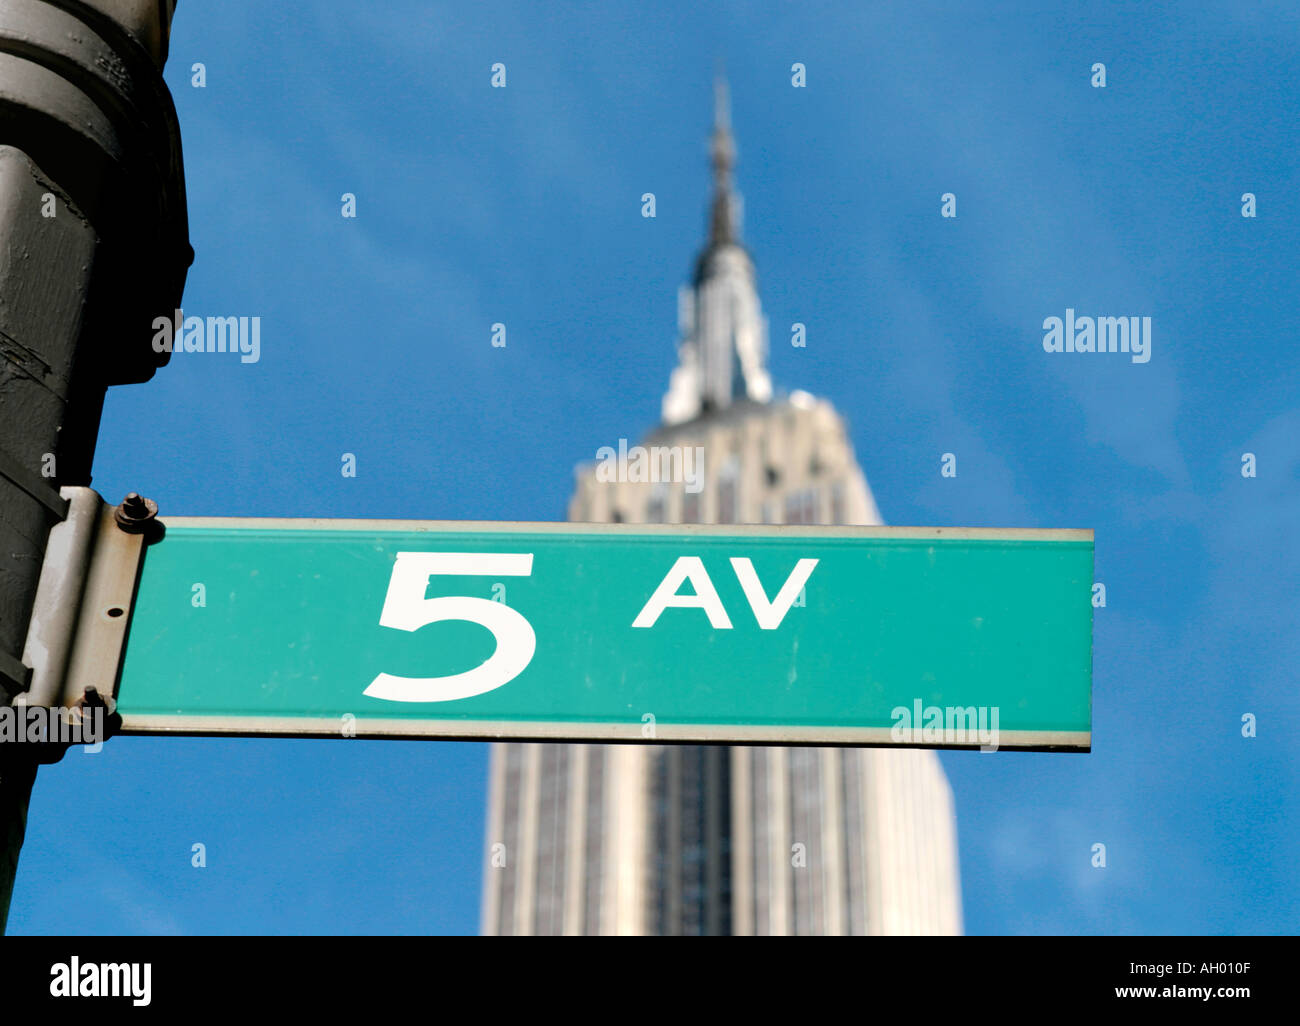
[{"x": 94, "y": 244}]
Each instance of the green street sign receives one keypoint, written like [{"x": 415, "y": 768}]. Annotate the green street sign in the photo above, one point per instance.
[{"x": 787, "y": 635}]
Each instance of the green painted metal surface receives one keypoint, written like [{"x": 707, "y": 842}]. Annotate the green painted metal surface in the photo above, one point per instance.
[{"x": 266, "y": 626}]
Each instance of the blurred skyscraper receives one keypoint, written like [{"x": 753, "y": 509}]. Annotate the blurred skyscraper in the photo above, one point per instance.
[{"x": 632, "y": 839}]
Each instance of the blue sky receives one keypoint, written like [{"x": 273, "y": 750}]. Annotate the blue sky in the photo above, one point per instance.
[{"x": 522, "y": 205}]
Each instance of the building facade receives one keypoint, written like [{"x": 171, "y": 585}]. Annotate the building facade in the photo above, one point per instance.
[{"x": 688, "y": 839}]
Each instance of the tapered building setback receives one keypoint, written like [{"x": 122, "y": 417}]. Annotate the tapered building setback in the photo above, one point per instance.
[{"x": 670, "y": 840}]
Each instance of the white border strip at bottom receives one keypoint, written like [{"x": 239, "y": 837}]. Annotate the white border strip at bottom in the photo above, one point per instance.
[{"x": 513, "y": 730}]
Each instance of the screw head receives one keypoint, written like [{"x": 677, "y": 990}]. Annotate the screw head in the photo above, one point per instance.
[{"x": 135, "y": 513}]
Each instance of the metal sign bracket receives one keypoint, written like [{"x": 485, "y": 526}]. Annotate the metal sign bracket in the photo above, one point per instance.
[{"x": 79, "y": 623}]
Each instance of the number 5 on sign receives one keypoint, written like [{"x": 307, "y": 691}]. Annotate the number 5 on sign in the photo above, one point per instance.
[{"x": 406, "y": 609}]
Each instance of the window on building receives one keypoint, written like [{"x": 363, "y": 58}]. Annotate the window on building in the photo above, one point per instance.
[
  {"x": 595, "y": 853},
  {"x": 657, "y": 509},
  {"x": 728, "y": 483},
  {"x": 837, "y": 502},
  {"x": 801, "y": 507},
  {"x": 691, "y": 507}
]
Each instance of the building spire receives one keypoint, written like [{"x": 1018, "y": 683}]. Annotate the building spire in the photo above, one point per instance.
[
  {"x": 722, "y": 355},
  {"x": 722, "y": 149}
]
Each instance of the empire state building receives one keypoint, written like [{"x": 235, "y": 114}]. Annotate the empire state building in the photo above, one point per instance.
[{"x": 659, "y": 839}]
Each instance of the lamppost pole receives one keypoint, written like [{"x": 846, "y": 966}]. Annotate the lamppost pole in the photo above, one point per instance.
[{"x": 94, "y": 243}]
